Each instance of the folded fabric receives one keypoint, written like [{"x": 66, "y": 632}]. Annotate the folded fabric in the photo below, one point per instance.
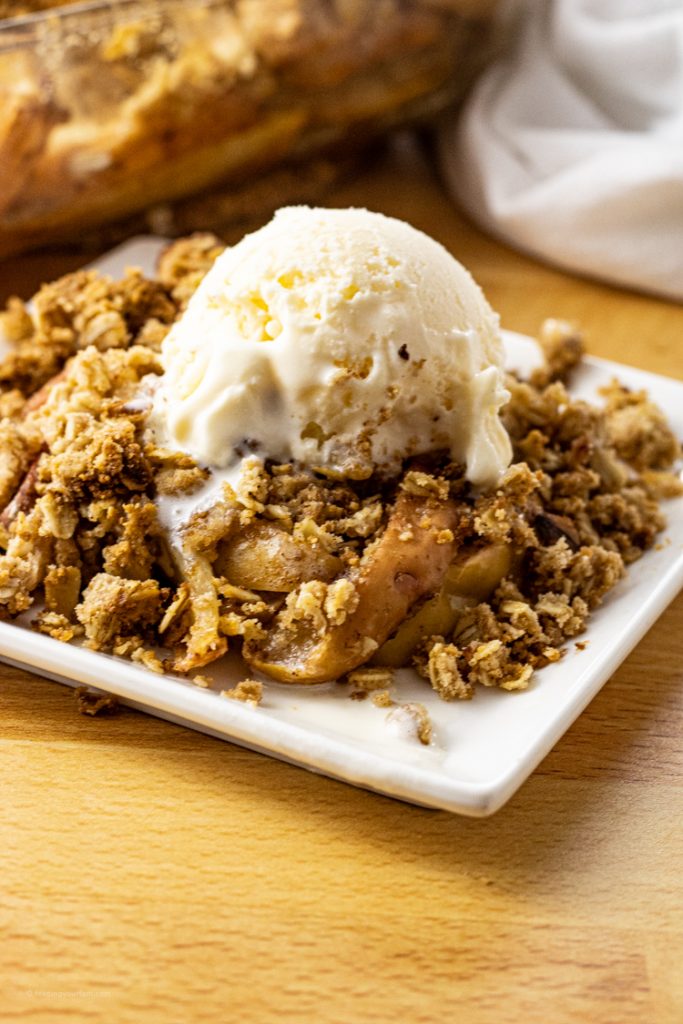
[{"x": 571, "y": 146}]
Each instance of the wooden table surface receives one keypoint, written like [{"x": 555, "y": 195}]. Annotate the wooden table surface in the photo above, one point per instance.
[{"x": 149, "y": 873}]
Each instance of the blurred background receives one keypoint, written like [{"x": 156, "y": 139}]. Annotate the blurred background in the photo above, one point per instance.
[
  {"x": 556, "y": 125},
  {"x": 173, "y": 116}
]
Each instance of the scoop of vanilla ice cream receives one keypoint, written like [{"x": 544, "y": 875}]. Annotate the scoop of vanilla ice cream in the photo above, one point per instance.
[{"x": 343, "y": 339}]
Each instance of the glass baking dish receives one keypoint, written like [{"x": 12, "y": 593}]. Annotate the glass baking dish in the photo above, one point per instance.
[{"x": 110, "y": 109}]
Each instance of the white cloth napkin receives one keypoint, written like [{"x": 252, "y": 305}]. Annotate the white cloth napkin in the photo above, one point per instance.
[{"x": 571, "y": 146}]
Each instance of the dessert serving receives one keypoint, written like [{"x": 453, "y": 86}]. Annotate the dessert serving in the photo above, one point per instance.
[{"x": 305, "y": 449}]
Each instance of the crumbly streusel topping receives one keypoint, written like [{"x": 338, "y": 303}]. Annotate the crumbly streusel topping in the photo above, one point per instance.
[{"x": 307, "y": 575}]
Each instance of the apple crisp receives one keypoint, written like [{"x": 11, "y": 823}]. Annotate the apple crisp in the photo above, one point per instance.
[{"x": 311, "y": 577}]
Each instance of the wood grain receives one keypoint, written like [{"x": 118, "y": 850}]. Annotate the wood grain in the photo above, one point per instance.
[{"x": 153, "y": 874}]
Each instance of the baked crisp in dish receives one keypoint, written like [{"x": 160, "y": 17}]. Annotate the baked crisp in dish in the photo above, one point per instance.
[
  {"x": 313, "y": 575},
  {"x": 108, "y": 110}
]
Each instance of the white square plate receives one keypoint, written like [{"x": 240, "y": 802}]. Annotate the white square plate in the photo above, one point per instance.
[{"x": 482, "y": 750}]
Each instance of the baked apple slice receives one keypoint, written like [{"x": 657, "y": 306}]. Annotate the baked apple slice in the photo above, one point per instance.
[{"x": 406, "y": 563}]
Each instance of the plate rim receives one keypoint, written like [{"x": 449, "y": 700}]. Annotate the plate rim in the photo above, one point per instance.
[
  {"x": 239, "y": 723},
  {"x": 298, "y": 744}
]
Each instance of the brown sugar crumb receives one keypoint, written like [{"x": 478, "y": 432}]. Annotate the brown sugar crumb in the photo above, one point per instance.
[
  {"x": 249, "y": 691},
  {"x": 341, "y": 601},
  {"x": 412, "y": 718},
  {"x": 443, "y": 672},
  {"x": 519, "y": 680},
  {"x": 59, "y": 627},
  {"x": 112, "y": 607},
  {"x": 202, "y": 681},
  {"x": 93, "y": 702},
  {"x": 174, "y": 472},
  {"x": 62, "y": 589},
  {"x": 382, "y": 699},
  {"x": 370, "y": 678},
  {"x": 306, "y": 605},
  {"x": 363, "y": 522},
  {"x": 424, "y": 484},
  {"x": 148, "y": 658},
  {"x": 661, "y": 483},
  {"x": 16, "y": 323},
  {"x": 318, "y": 604},
  {"x": 551, "y": 654},
  {"x": 562, "y": 346},
  {"x": 184, "y": 263},
  {"x": 638, "y": 430}
]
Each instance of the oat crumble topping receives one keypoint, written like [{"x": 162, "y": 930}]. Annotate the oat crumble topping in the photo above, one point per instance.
[
  {"x": 249, "y": 691},
  {"x": 93, "y": 702},
  {"x": 312, "y": 578},
  {"x": 412, "y": 717}
]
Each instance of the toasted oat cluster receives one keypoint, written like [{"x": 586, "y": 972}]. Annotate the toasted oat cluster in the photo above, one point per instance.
[{"x": 311, "y": 577}]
